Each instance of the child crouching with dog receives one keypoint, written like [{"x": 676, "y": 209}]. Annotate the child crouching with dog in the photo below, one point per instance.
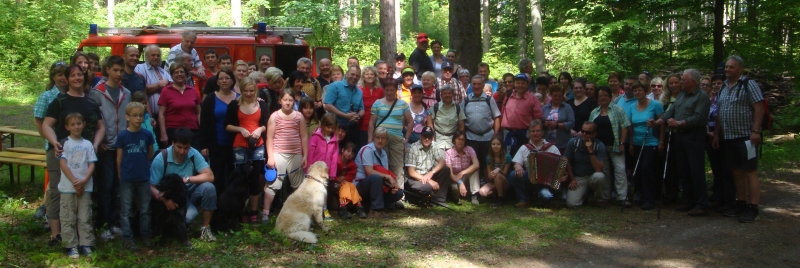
[
  {"x": 345, "y": 174},
  {"x": 323, "y": 146},
  {"x": 77, "y": 164}
]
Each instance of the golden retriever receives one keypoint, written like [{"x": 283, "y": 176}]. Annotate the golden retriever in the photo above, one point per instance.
[{"x": 305, "y": 204}]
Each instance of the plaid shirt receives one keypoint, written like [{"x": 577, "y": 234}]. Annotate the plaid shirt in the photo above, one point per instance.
[
  {"x": 736, "y": 107},
  {"x": 457, "y": 162},
  {"x": 458, "y": 89},
  {"x": 421, "y": 159},
  {"x": 40, "y": 107},
  {"x": 618, "y": 120}
]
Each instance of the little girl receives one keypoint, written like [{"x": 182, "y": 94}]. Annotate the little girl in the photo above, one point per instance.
[
  {"x": 497, "y": 165},
  {"x": 323, "y": 146},
  {"x": 285, "y": 152},
  {"x": 345, "y": 174},
  {"x": 148, "y": 123},
  {"x": 312, "y": 123}
]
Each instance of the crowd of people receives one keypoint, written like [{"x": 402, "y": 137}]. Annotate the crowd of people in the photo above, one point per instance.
[{"x": 389, "y": 134}]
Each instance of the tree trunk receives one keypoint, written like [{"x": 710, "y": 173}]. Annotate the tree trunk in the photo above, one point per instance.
[
  {"x": 275, "y": 8},
  {"x": 110, "y": 13},
  {"x": 522, "y": 22},
  {"x": 719, "y": 46},
  {"x": 366, "y": 13},
  {"x": 465, "y": 31},
  {"x": 538, "y": 37},
  {"x": 415, "y": 14},
  {"x": 344, "y": 19},
  {"x": 351, "y": 13},
  {"x": 487, "y": 31},
  {"x": 387, "y": 21},
  {"x": 236, "y": 12},
  {"x": 396, "y": 20}
]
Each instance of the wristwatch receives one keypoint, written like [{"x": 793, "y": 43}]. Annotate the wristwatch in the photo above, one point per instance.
[{"x": 680, "y": 123}]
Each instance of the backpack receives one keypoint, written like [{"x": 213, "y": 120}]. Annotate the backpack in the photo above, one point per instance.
[
  {"x": 466, "y": 102},
  {"x": 767, "y": 120},
  {"x": 436, "y": 111}
]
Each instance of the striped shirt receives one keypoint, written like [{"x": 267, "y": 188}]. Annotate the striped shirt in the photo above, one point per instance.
[
  {"x": 394, "y": 121},
  {"x": 287, "y": 133},
  {"x": 151, "y": 76},
  {"x": 736, "y": 107}
]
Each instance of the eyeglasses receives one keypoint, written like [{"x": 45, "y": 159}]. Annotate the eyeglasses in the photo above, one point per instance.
[
  {"x": 659, "y": 86},
  {"x": 705, "y": 84},
  {"x": 588, "y": 132}
]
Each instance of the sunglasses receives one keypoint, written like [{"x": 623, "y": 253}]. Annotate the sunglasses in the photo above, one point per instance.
[
  {"x": 588, "y": 132},
  {"x": 659, "y": 86}
]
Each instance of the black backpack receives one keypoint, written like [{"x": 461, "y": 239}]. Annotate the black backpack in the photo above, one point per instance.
[{"x": 466, "y": 102}]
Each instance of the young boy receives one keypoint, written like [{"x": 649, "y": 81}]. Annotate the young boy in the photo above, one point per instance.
[
  {"x": 345, "y": 174},
  {"x": 148, "y": 123},
  {"x": 134, "y": 150},
  {"x": 77, "y": 165}
]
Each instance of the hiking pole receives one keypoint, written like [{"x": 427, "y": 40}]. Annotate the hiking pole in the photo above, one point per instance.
[
  {"x": 638, "y": 158},
  {"x": 664, "y": 176}
]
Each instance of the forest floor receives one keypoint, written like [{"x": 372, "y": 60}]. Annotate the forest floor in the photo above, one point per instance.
[{"x": 471, "y": 236}]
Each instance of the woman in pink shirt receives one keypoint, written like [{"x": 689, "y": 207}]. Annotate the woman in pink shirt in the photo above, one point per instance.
[
  {"x": 463, "y": 163},
  {"x": 179, "y": 106}
]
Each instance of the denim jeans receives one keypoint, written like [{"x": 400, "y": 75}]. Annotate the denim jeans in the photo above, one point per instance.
[
  {"x": 523, "y": 187},
  {"x": 106, "y": 189},
  {"x": 203, "y": 195},
  {"x": 127, "y": 191},
  {"x": 371, "y": 190}
]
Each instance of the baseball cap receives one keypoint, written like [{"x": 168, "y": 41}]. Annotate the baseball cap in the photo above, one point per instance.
[
  {"x": 409, "y": 69},
  {"x": 521, "y": 77},
  {"x": 416, "y": 87},
  {"x": 400, "y": 56},
  {"x": 426, "y": 131},
  {"x": 447, "y": 64},
  {"x": 422, "y": 37}
]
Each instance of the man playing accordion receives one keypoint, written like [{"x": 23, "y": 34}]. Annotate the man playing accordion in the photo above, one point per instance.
[{"x": 520, "y": 178}]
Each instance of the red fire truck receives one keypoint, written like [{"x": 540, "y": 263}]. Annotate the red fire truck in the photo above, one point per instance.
[{"x": 285, "y": 44}]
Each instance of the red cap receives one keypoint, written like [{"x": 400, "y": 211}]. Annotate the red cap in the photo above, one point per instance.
[{"x": 422, "y": 37}]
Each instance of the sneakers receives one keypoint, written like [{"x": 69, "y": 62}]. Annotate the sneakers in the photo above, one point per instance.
[
  {"x": 697, "y": 211},
  {"x": 130, "y": 245},
  {"x": 624, "y": 203},
  {"x": 399, "y": 205},
  {"x": 206, "y": 235},
  {"x": 264, "y": 218},
  {"x": 475, "y": 199},
  {"x": 737, "y": 210},
  {"x": 326, "y": 215},
  {"x": 86, "y": 251},
  {"x": 360, "y": 212},
  {"x": 253, "y": 217},
  {"x": 344, "y": 214},
  {"x": 106, "y": 235},
  {"x": 245, "y": 219},
  {"x": 73, "y": 253},
  {"x": 55, "y": 241},
  {"x": 750, "y": 215},
  {"x": 116, "y": 230},
  {"x": 497, "y": 202},
  {"x": 40, "y": 212}
]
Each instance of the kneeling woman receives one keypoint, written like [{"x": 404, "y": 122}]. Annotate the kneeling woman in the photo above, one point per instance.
[
  {"x": 372, "y": 174},
  {"x": 248, "y": 117}
]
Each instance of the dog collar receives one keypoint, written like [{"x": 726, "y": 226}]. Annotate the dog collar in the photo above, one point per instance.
[{"x": 315, "y": 179}]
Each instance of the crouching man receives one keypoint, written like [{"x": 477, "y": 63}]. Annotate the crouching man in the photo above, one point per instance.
[
  {"x": 586, "y": 157},
  {"x": 188, "y": 163},
  {"x": 427, "y": 173}
]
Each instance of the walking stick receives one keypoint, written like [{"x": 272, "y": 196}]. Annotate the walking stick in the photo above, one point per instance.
[
  {"x": 664, "y": 176},
  {"x": 639, "y": 158}
]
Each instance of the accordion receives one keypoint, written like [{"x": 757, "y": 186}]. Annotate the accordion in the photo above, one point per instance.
[{"x": 546, "y": 168}]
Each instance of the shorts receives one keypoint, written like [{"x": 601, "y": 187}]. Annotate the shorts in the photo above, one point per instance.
[
  {"x": 735, "y": 152},
  {"x": 241, "y": 155}
]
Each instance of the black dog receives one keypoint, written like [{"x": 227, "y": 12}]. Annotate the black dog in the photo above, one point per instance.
[
  {"x": 171, "y": 222},
  {"x": 233, "y": 200}
]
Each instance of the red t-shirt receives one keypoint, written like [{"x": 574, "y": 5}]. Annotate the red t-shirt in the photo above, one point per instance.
[
  {"x": 181, "y": 108},
  {"x": 249, "y": 122},
  {"x": 347, "y": 170},
  {"x": 369, "y": 99}
]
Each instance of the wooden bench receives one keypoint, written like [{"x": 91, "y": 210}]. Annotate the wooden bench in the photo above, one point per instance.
[{"x": 19, "y": 156}]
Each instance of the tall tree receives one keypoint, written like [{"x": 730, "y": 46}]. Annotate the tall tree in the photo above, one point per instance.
[
  {"x": 465, "y": 31},
  {"x": 487, "y": 31},
  {"x": 397, "y": 20},
  {"x": 387, "y": 21},
  {"x": 110, "y": 13},
  {"x": 719, "y": 46},
  {"x": 366, "y": 13},
  {"x": 344, "y": 19},
  {"x": 522, "y": 22},
  {"x": 236, "y": 12},
  {"x": 538, "y": 37},
  {"x": 415, "y": 14}
]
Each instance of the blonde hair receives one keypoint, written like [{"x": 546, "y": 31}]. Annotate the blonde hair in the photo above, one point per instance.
[
  {"x": 272, "y": 75},
  {"x": 240, "y": 63},
  {"x": 337, "y": 68},
  {"x": 247, "y": 81},
  {"x": 430, "y": 75},
  {"x": 376, "y": 84},
  {"x": 133, "y": 105},
  {"x": 258, "y": 76}
]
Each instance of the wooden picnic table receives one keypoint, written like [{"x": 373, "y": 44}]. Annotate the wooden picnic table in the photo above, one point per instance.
[{"x": 13, "y": 155}]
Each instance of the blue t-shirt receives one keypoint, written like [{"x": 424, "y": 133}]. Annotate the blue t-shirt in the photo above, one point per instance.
[
  {"x": 220, "y": 112},
  {"x": 193, "y": 163},
  {"x": 135, "y": 158},
  {"x": 368, "y": 156},
  {"x": 133, "y": 82},
  {"x": 639, "y": 122},
  {"x": 345, "y": 98}
]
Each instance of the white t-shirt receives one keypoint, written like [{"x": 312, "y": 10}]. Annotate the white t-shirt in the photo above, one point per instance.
[
  {"x": 78, "y": 153},
  {"x": 523, "y": 153}
]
